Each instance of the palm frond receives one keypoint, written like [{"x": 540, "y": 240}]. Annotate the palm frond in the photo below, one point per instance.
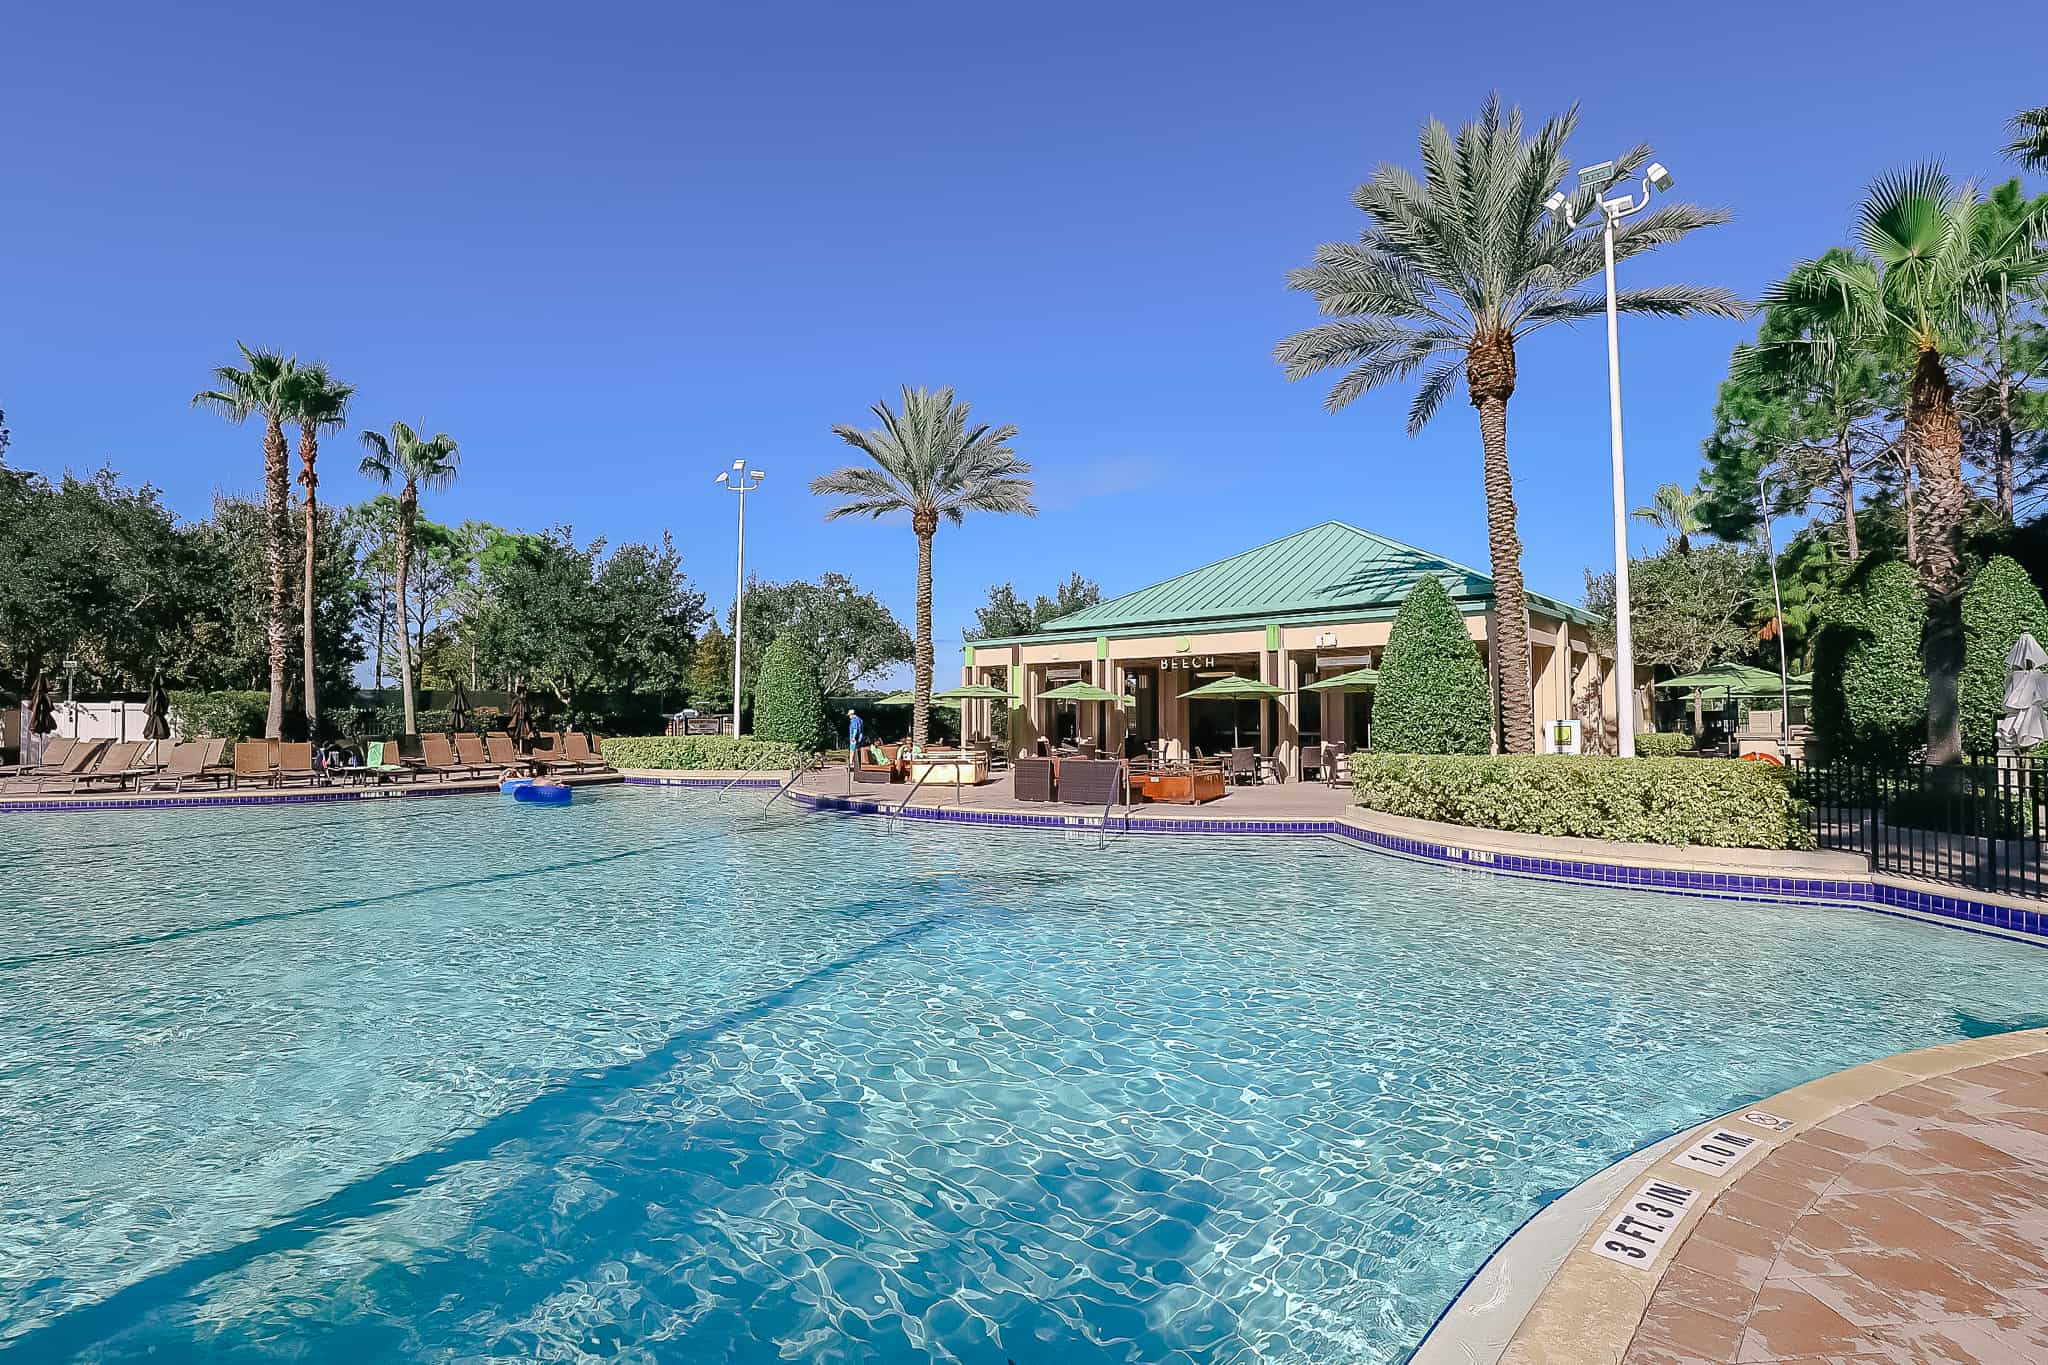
[
  {"x": 928, "y": 458},
  {"x": 1659, "y": 300},
  {"x": 1436, "y": 386},
  {"x": 2029, "y": 145}
]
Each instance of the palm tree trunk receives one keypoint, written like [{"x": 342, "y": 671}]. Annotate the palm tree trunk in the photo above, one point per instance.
[
  {"x": 408, "y": 508},
  {"x": 925, "y": 524},
  {"x": 277, "y": 492},
  {"x": 1934, "y": 437},
  {"x": 309, "y": 451},
  {"x": 2004, "y": 459},
  {"x": 1490, "y": 379},
  {"x": 1845, "y": 476}
]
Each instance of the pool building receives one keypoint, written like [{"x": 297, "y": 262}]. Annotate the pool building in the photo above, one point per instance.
[{"x": 1288, "y": 613}]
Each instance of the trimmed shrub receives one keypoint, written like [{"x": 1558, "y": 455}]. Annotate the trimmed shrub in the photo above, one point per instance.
[
  {"x": 789, "y": 705},
  {"x": 219, "y": 715},
  {"x": 1721, "y": 803},
  {"x": 1869, "y": 693},
  {"x": 1662, "y": 743},
  {"x": 1432, "y": 696},
  {"x": 1999, "y": 606},
  {"x": 699, "y": 753}
]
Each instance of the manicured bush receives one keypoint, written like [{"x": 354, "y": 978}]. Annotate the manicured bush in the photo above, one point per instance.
[
  {"x": 1663, "y": 743},
  {"x": 219, "y": 715},
  {"x": 1999, "y": 606},
  {"x": 699, "y": 753},
  {"x": 1723, "y": 803},
  {"x": 1432, "y": 696},
  {"x": 789, "y": 705},
  {"x": 1869, "y": 690}
]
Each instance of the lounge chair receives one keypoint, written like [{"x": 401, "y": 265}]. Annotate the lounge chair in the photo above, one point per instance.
[
  {"x": 504, "y": 753},
  {"x": 188, "y": 763},
  {"x": 1031, "y": 779},
  {"x": 438, "y": 757},
  {"x": 470, "y": 752},
  {"x": 255, "y": 761},
  {"x": 1091, "y": 781},
  {"x": 378, "y": 763},
  {"x": 116, "y": 763},
  {"x": 50, "y": 765},
  {"x": 577, "y": 753},
  {"x": 295, "y": 763}
]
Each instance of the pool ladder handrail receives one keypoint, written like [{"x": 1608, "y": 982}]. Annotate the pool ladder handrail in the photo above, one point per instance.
[
  {"x": 1102, "y": 830},
  {"x": 902, "y": 805},
  {"x": 740, "y": 777},
  {"x": 797, "y": 772}
]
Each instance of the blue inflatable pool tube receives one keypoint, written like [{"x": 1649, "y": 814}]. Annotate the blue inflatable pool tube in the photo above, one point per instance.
[{"x": 542, "y": 794}]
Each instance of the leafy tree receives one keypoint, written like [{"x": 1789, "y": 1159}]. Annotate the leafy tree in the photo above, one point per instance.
[
  {"x": 1687, "y": 609},
  {"x": 1929, "y": 281},
  {"x": 789, "y": 705},
  {"x": 1432, "y": 696},
  {"x": 2029, "y": 145},
  {"x": 1869, "y": 697},
  {"x": 710, "y": 681},
  {"x": 1451, "y": 273},
  {"x": 580, "y": 622},
  {"x": 847, "y": 634},
  {"x": 1807, "y": 401},
  {"x": 1674, "y": 508},
  {"x": 1008, "y": 614},
  {"x": 1999, "y": 606},
  {"x": 265, "y": 385},
  {"x": 410, "y": 461},
  {"x": 319, "y": 403},
  {"x": 928, "y": 462}
]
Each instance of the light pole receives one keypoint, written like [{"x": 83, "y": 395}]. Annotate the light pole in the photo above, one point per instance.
[
  {"x": 1612, "y": 211},
  {"x": 71, "y": 693},
  {"x": 741, "y": 480},
  {"x": 1763, "y": 505}
]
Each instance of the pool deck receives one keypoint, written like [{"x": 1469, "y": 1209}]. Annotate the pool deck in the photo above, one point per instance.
[{"x": 1892, "y": 1214}]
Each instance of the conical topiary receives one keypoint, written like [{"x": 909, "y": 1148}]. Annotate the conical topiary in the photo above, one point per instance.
[
  {"x": 1999, "y": 606},
  {"x": 1432, "y": 696},
  {"x": 789, "y": 704}
]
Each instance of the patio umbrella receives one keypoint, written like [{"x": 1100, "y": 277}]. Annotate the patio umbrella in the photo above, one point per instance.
[
  {"x": 1079, "y": 691},
  {"x": 1357, "y": 680},
  {"x": 458, "y": 708},
  {"x": 1233, "y": 688},
  {"x": 520, "y": 724},
  {"x": 156, "y": 710},
  {"x": 897, "y": 699},
  {"x": 42, "y": 716},
  {"x": 972, "y": 692}
]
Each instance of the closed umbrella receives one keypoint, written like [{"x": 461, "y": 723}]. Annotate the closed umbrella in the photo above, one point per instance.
[
  {"x": 156, "y": 724},
  {"x": 42, "y": 716},
  {"x": 458, "y": 708},
  {"x": 520, "y": 723},
  {"x": 2024, "y": 726}
]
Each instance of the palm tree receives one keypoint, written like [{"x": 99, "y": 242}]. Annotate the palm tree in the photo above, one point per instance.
[
  {"x": 411, "y": 462},
  {"x": 264, "y": 384},
  {"x": 1450, "y": 273},
  {"x": 930, "y": 463},
  {"x": 1677, "y": 509},
  {"x": 2029, "y": 145},
  {"x": 1930, "y": 277},
  {"x": 319, "y": 403}
]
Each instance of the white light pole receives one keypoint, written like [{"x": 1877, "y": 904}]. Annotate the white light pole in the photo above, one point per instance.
[
  {"x": 741, "y": 480},
  {"x": 71, "y": 693},
  {"x": 1612, "y": 211}
]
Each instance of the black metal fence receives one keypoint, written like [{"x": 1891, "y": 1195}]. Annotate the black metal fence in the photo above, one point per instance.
[{"x": 1979, "y": 825}]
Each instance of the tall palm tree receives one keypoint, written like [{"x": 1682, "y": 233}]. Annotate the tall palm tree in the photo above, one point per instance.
[
  {"x": 319, "y": 403},
  {"x": 1930, "y": 277},
  {"x": 263, "y": 385},
  {"x": 410, "y": 462},
  {"x": 1450, "y": 273},
  {"x": 1676, "y": 509},
  {"x": 928, "y": 462},
  {"x": 2029, "y": 145}
]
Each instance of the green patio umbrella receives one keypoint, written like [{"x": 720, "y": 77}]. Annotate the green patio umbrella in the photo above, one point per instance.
[
  {"x": 972, "y": 692},
  {"x": 1357, "y": 680},
  {"x": 896, "y": 699},
  {"x": 1233, "y": 688},
  {"x": 1079, "y": 691},
  {"x": 1739, "y": 680}
]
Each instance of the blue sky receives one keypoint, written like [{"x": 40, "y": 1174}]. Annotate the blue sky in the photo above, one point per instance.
[{"x": 611, "y": 248}]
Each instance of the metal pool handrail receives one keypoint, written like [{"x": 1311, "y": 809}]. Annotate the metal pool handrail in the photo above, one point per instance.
[
  {"x": 929, "y": 769},
  {"x": 802, "y": 766},
  {"x": 743, "y": 775}
]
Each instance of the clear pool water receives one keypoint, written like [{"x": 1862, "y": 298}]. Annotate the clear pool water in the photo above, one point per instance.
[{"x": 458, "y": 1080}]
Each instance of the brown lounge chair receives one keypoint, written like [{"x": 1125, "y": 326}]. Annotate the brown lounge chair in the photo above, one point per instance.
[
  {"x": 196, "y": 760},
  {"x": 574, "y": 752},
  {"x": 295, "y": 763},
  {"x": 442, "y": 760},
  {"x": 116, "y": 763},
  {"x": 55, "y": 755},
  {"x": 503, "y": 752},
  {"x": 255, "y": 761},
  {"x": 470, "y": 751}
]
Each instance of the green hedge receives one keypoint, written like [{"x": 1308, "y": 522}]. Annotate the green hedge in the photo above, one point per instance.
[
  {"x": 699, "y": 753},
  {"x": 1662, "y": 744},
  {"x": 1869, "y": 687},
  {"x": 789, "y": 705},
  {"x": 1723, "y": 803},
  {"x": 220, "y": 715}
]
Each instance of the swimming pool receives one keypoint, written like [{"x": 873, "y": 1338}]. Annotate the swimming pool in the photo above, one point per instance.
[{"x": 655, "y": 1079}]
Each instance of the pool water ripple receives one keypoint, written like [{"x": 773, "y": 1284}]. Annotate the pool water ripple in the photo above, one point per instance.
[{"x": 644, "y": 1080}]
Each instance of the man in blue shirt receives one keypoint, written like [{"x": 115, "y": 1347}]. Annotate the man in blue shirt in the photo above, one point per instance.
[{"x": 853, "y": 734}]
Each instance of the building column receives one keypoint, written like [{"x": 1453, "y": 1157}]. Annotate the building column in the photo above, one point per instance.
[
  {"x": 1493, "y": 672},
  {"x": 1289, "y": 749}
]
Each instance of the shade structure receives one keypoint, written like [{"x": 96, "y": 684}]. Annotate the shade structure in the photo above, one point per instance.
[
  {"x": 1233, "y": 689},
  {"x": 458, "y": 708},
  {"x": 972, "y": 692},
  {"x": 1080, "y": 691},
  {"x": 42, "y": 715},
  {"x": 1735, "y": 680},
  {"x": 1357, "y": 680},
  {"x": 156, "y": 710}
]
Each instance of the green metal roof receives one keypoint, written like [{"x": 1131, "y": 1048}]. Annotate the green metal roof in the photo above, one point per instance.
[{"x": 1331, "y": 572}]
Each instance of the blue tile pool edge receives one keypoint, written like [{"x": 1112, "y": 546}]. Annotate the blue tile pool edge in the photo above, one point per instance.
[
  {"x": 314, "y": 796},
  {"x": 1930, "y": 905}
]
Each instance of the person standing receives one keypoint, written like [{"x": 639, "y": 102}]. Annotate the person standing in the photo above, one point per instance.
[{"x": 853, "y": 734}]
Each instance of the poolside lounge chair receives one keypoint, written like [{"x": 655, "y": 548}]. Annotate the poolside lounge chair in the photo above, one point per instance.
[
  {"x": 504, "y": 753},
  {"x": 116, "y": 763},
  {"x": 380, "y": 762},
  {"x": 195, "y": 760},
  {"x": 439, "y": 757},
  {"x": 255, "y": 761},
  {"x": 295, "y": 763},
  {"x": 577, "y": 753},
  {"x": 50, "y": 765},
  {"x": 469, "y": 751},
  {"x": 1031, "y": 779},
  {"x": 1091, "y": 781}
]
